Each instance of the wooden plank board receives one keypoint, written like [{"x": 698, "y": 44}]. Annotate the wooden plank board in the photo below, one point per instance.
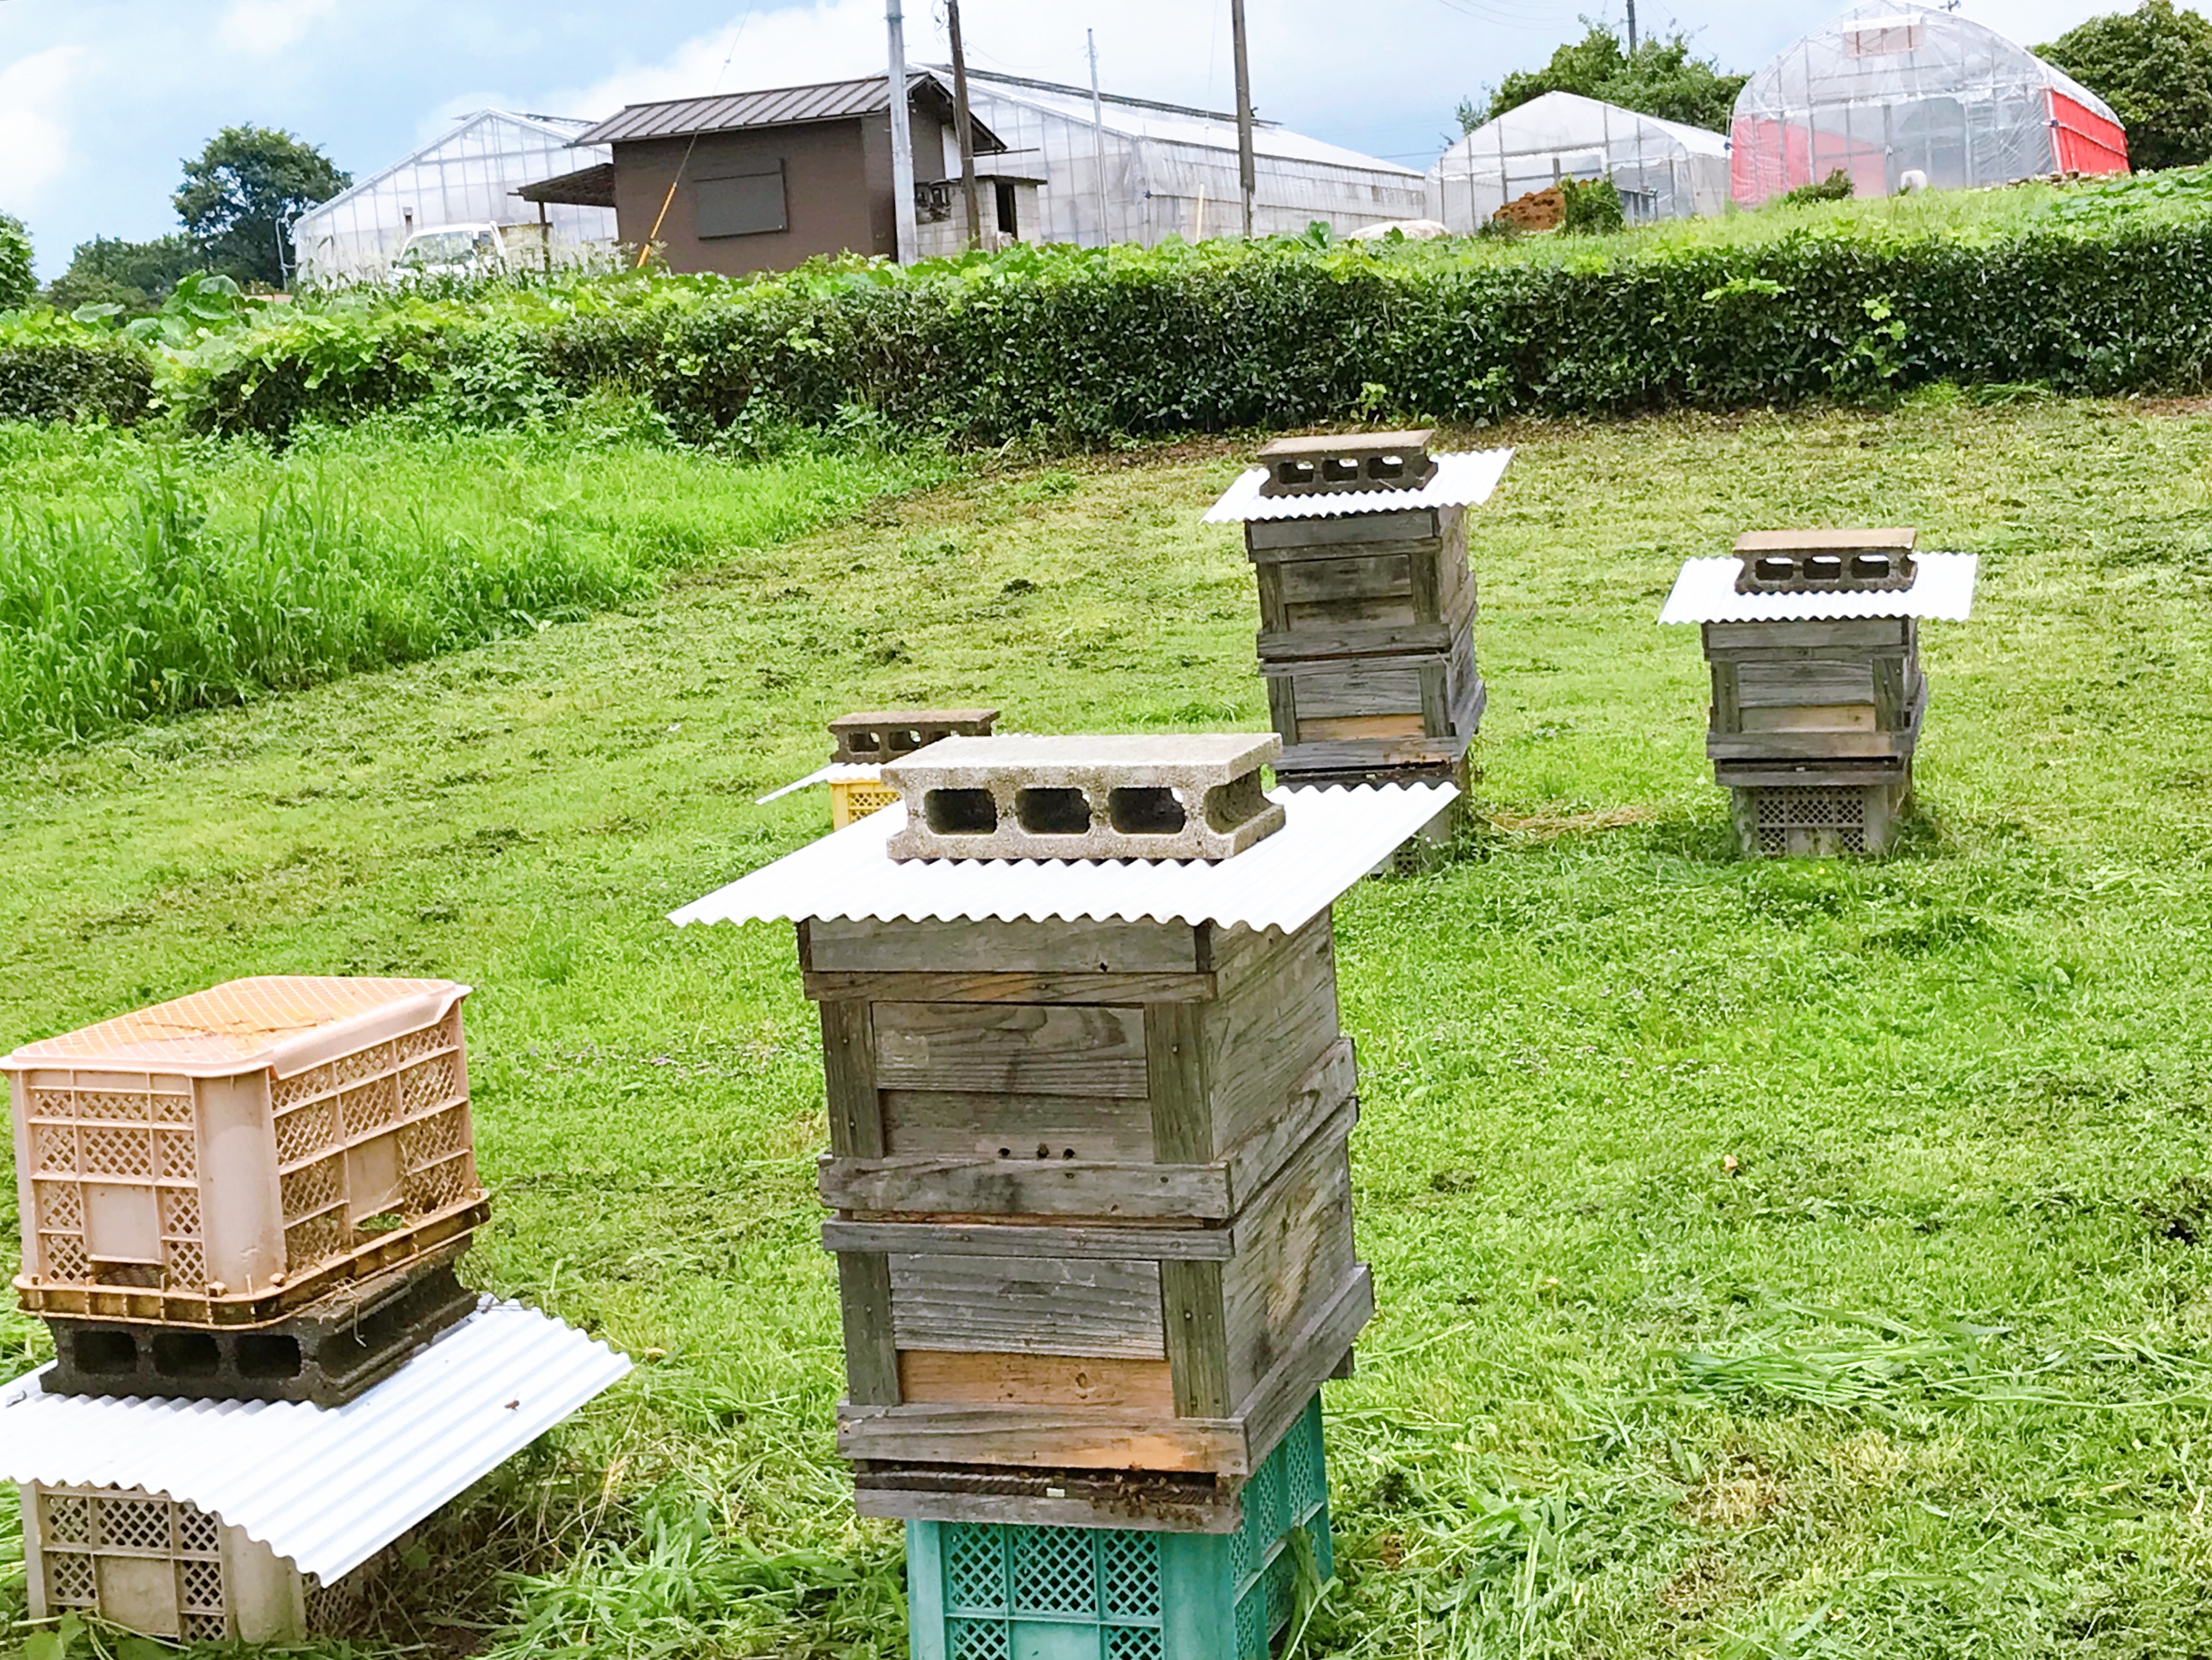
[
  {"x": 1807, "y": 746},
  {"x": 1294, "y": 538},
  {"x": 1358, "y": 755},
  {"x": 1095, "y": 1382},
  {"x": 1314, "y": 1356},
  {"x": 848, "y": 1076},
  {"x": 1048, "y": 1048},
  {"x": 1294, "y": 1251},
  {"x": 1036, "y": 1306},
  {"x": 1870, "y": 633},
  {"x": 964, "y": 1124},
  {"x": 1345, "y": 727},
  {"x": 1116, "y": 1189},
  {"x": 838, "y": 947},
  {"x": 1316, "y": 1100},
  {"x": 1727, "y": 714},
  {"x": 1181, "y": 1104},
  {"x": 1382, "y": 573},
  {"x": 1046, "y": 1499},
  {"x": 1158, "y": 1244},
  {"x": 1196, "y": 1337},
  {"x": 1017, "y": 987},
  {"x": 864, "y": 1300},
  {"x": 1811, "y": 717},
  {"x": 1815, "y": 681},
  {"x": 1269, "y": 1031},
  {"x": 1353, "y": 685},
  {"x": 1027, "y": 1437}
]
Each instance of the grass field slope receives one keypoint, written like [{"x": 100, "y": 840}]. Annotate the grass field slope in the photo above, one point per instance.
[{"x": 1774, "y": 1259}]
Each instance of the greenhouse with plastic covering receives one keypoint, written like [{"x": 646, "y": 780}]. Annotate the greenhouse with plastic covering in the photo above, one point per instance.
[
  {"x": 1888, "y": 89},
  {"x": 1662, "y": 169}
]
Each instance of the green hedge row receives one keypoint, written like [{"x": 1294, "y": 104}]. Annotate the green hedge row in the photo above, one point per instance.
[
  {"x": 1086, "y": 346},
  {"x": 61, "y": 379}
]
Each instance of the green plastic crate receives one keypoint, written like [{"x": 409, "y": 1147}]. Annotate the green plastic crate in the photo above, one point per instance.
[{"x": 1004, "y": 1591}]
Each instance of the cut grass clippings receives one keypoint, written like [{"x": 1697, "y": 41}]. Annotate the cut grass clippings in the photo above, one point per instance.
[{"x": 1773, "y": 1259}]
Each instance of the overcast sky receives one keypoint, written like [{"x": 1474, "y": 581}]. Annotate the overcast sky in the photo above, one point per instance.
[{"x": 101, "y": 98}]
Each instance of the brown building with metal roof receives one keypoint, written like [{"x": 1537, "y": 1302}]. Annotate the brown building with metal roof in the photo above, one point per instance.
[{"x": 762, "y": 180}]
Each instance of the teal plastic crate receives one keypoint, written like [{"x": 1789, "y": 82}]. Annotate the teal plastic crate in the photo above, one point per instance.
[{"x": 981, "y": 1590}]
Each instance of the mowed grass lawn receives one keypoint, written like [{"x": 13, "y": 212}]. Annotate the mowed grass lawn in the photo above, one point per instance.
[{"x": 1773, "y": 1258}]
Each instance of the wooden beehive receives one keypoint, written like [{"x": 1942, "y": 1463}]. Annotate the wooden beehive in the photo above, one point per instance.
[
  {"x": 1367, "y": 605},
  {"x": 233, "y": 1155},
  {"x": 1815, "y": 715},
  {"x": 1094, "y": 1229}
]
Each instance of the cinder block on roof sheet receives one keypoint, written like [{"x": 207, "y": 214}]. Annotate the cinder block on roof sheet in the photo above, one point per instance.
[
  {"x": 1170, "y": 796},
  {"x": 1337, "y": 463},
  {"x": 1826, "y": 560},
  {"x": 880, "y": 735}
]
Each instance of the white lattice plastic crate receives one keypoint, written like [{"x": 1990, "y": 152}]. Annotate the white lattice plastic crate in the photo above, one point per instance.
[
  {"x": 232, "y": 1154},
  {"x": 149, "y": 1564}
]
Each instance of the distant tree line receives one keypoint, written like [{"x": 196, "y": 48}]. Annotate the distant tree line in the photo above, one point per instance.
[
  {"x": 235, "y": 208},
  {"x": 2152, "y": 65}
]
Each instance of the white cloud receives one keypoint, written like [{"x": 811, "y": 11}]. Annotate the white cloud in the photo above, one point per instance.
[
  {"x": 34, "y": 145},
  {"x": 263, "y": 28}
]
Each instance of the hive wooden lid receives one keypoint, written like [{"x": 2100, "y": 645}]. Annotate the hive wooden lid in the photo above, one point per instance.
[{"x": 284, "y": 1022}]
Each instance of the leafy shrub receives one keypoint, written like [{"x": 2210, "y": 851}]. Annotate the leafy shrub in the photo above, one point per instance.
[
  {"x": 16, "y": 281},
  {"x": 1592, "y": 208},
  {"x": 1835, "y": 187},
  {"x": 52, "y": 368}
]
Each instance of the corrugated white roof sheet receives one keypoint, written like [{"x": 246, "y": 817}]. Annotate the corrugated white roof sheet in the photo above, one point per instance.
[
  {"x": 1330, "y": 839},
  {"x": 837, "y": 772},
  {"x": 1943, "y": 587},
  {"x": 328, "y": 1488},
  {"x": 1465, "y": 480}
]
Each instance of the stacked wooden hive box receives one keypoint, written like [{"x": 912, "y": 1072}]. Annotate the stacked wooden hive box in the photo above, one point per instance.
[
  {"x": 1089, "y": 1108},
  {"x": 1367, "y": 603},
  {"x": 1813, "y": 640},
  {"x": 256, "y": 1194}
]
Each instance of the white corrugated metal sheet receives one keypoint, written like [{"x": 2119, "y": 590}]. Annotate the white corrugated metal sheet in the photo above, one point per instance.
[
  {"x": 837, "y": 772},
  {"x": 1330, "y": 839},
  {"x": 1943, "y": 587},
  {"x": 1462, "y": 481},
  {"x": 328, "y": 1488}
]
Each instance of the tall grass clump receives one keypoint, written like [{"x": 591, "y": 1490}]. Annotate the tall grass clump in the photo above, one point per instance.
[{"x": 144, "y": 579}]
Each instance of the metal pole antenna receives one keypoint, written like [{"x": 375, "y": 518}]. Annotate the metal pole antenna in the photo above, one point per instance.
[
  {"x": 1247, "y": 173},
  {"x": 901, "y": 140},
  {"x": 964, "y": 124},
  {"x": 1098, "y": 136}
]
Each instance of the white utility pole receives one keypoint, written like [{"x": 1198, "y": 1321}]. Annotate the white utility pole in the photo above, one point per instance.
[
  {"x": 909, "y": 242},
  {"x": 1247, "y": 172},
  {"x": 1098, "y": 135}
]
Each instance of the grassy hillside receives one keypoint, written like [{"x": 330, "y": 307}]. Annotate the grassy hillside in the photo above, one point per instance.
[{"x": 1773, "y": 1259}]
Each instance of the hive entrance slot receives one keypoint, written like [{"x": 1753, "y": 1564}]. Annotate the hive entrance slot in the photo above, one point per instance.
[
  {"x": 1144, "y": 812},
  {"x": 961, "y": 812},
  {"x": 1052, "y": 812}
]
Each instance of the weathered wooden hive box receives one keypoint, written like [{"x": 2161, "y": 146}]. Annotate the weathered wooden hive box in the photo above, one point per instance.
[
  {"x": 1818, "y": 698},
  {"x": 1088, "y": 1125},
  {"x": 1367, "y": 602},
  {"x": 211, "y": 1188}
]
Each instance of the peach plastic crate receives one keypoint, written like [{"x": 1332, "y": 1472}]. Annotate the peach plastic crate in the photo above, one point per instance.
[{"x": 234, "y": 1154}]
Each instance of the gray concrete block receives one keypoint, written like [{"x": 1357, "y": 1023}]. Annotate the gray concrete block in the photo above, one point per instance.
[
  {"x": 1169, "y": 796},
  {"x": 1337, "y": 463},
  {"x": 874, "y": 736}
]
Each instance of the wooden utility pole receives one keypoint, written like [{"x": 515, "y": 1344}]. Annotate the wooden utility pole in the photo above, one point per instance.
[
  {"x": 964, "y": 124},
  {"x": 909, "y": 240},
  {"x": 1247, "y": 173},
  {"x": 1632, "y": 29}
]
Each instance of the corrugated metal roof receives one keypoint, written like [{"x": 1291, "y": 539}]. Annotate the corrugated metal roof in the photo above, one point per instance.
[
  {"x": 1943, "y": 586},
  {"x": 1465, "y": 480},
  {"x": 775, "y": 106},
  {"x": 837, "y": 772},
  {"x": 1331, "y": 839},
  {"x": 284, "y": 1022},
  {"x": 328, "y": 1488}
]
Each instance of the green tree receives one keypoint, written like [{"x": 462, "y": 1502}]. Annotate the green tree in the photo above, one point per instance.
[
  {"x": 1662, "y": 79},
  {"x": 16, "y": 282},
  {"x": 241, "y": 196},
  {"x": 135, "y": 275},
  {"x": 2153, "y": 66}
]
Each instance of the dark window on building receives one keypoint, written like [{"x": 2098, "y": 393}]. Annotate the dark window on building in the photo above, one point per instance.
[
  {"x": 740, "y": 205},
  {"x": 1006, "y": 222}
]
